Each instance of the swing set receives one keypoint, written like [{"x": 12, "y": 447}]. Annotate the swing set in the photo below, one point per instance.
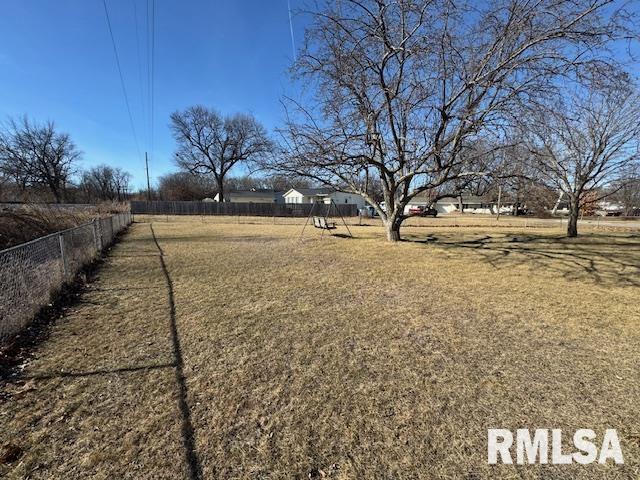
[{"x": 322, "y": 221}]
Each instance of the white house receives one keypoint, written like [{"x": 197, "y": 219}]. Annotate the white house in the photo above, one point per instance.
[
  {"x": 605, "y": 208},
  {"x": 322, "y": 195},
  {"x": 256, "y": 195},
  {"x": 469, "y": 204}
]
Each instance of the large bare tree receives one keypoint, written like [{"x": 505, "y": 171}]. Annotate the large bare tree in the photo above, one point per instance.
[
  {"x": 105, "y": 183},
  {"x": 582, "y": 144},
  {"x": 185, "y": 186},
  {"x": 627, "y": 191},
  {"x": 403, "y": 92},
  {"x": 209, "y": 144},
  {"x": 36, "y": 154}
]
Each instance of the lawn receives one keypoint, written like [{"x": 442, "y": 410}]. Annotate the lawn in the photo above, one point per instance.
[{"x": 245, "y": 352}]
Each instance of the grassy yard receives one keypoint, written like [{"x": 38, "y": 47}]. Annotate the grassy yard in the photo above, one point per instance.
[{"x": 242, "y": 352}]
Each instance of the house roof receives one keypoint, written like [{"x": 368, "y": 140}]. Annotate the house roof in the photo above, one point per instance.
[
  {"x": 425, "y": 196},
  {"x": 308, "y": 192},
  {"x": 258, "y": 192},
  {"x": 465, "y": 199}
]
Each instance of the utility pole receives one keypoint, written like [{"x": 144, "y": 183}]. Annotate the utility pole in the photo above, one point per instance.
[{"x": 146, "y": 163}]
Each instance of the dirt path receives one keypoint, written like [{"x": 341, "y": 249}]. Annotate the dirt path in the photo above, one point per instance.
[{"x": 100, "y": 397}]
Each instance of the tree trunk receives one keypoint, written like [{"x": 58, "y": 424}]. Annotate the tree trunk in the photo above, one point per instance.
[
  {"x": 56, "y": 194},
  {"x": 220, "y": 191},
  {"x": 392, "y": 226},
  {"x": 572, "y": 225}
]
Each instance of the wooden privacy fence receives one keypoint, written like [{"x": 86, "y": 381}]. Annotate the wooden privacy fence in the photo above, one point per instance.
[{"x": 246, "y": 209}]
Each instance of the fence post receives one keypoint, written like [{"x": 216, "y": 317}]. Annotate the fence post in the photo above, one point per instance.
[
  {"x": 96, "y": 238},
  {"x": 63, "y": 257}
]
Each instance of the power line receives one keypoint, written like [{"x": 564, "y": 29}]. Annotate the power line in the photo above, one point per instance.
[
  {"x": 293, "y": 42},
  {"x": 140, "y": 82},
  {"x": 148, "y": 47},
  {"x": 124, "y": 89},
  {"x": 153, "y": 56}
]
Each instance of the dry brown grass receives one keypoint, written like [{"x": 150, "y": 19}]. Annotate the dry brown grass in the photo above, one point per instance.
[
  {"x": 556, "y": 226},
  {"x": 336, "y": 357},
  {"x": 19, "y": 224}
]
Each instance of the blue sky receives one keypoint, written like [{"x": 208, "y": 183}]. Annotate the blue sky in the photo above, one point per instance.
[{"x": 57, "y": 63}]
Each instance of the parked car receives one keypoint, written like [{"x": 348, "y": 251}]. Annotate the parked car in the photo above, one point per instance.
[
  {"x": 520, "y": 211},
  {"x": 429, "y": 212},
  {"x": 368, "y": 212},
  {"x": 608, "y": 213},
  {"x": 422, "y": 211}
]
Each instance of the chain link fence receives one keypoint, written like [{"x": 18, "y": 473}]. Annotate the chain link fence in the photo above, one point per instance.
[{"x": 31, "y": 273}]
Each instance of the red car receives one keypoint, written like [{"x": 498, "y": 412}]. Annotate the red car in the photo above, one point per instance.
[{"x": 423, "y": 211}]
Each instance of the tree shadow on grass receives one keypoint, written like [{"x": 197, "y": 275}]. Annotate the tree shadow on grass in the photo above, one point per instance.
[
  {"x": 100, "y": 372},
  {"x": 188, "y": 434},
  {"x": 603, "y": 259}
]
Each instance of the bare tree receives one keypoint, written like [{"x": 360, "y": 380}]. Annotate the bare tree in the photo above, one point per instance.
[
  {"x": 186, "y": 186},
  {"x": 584, "y": 142},
  {"x": 121, "y": 181},
  {"x": 15, "y": 158},
  {"x": 627, "y": 191},
  {"x": 245, "y": 182},
  {"x": 37, "y": 155},
  {"x": 285, "y": 182},
  {"x": 403, "y": 87},
  {"x": 5, "y": 184},
  {"x": 105, "y": 183},
  {"x": 211, "y": 145}
]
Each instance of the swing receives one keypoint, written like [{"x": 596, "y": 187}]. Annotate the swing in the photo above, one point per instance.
[{"x": 322, "y": 222}]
